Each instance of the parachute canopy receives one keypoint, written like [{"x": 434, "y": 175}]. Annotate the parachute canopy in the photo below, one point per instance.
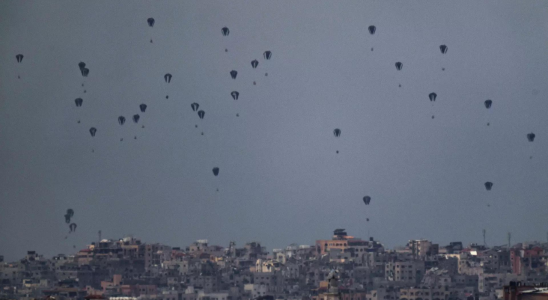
[
  {"x": 121, "y": 120},
  {"x": 19, "y": 58},
  {"x": 70, "y": 212},
  {"x": 488, "y": 185},
  {"x": 85, "y": 72},
  {"x": 399, "y": 65},
  {"x": 201, "y": 114},
  {"x": 195, "y": 106},
  {"x": 150, "y": 22},
  {"x": 136, "y": 118},
  {"x": 215, "y": 171},
  {"x": 372, "y": 29},
  {"x": 366, "y": 200},
  {"x": 225, "y": 31},
  {"x": 443, "y": 49},
  {"x": 254, "y": 63},
  {"x": 92, "y": 131},
  {"x": 432, "y": 96},
  {"x": 143, "y": 107},
  {"x": 167, "y": 77},
  {"x": 78, "y": 102},
  {"x": 72, "y": 227},
  {"x": 531, "y": 137},
  {"x": 488, "y": 103},
  {"x": 235, "y": 95},
  {"x": 233, "y": 74},
  {"x": 337, "y": 132},
  {"x": 267, "y": 55}
]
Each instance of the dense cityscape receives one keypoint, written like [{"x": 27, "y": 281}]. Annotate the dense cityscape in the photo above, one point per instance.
[{"x": 342, "y": 267}]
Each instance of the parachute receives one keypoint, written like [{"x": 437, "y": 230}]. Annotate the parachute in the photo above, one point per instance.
[
  {"x": 167, "y": 77},
  {"x": 70, "y": 212},
  {"x": 488, "y": 103},
  {"x": 201, "y": 114},
  {"x": 67, "y": 218},
  {"x": 136, "y": 118},
  {"x": 72, "y": 227},
  {"x": 233, "y": 74},
  {"x": 121, "y": 120},
  {"x": 85, "y": 72},
  {"x": 337, "y": 132},
  {"x": 254, "y": 63},
  {"x": 531, "y": 137},
  {"x": 267, "y": 55},
  {"x": 432, "y": 96},
  {"x": 235, "y": 95},
  {"x": 92, "y": 131},
  {"x": 195, "y": 106},
  {"x": 150, "y": 22},
  {"x": 372, "y": 29},
  {"x": 19, "y": 58},
  {"x": 443, "y": 49},
  {"x": 488, "y": 185},
  {"x": 143, "y": 107},
  {"x": 399, "y": 65},
  {"x": 78, "y": 102},
  {"x": 225, "y": 31},
  {"x": 81, "y": 65},
  {"x": 215, "y": 171},
  {"x": 366, "y": 200}
]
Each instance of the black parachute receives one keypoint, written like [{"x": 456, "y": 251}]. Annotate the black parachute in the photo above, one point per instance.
[
  {"x": 143, "y": 107},
  {"x": 215, "y": 171},
  {"x": 67, "y": 218},
  {"x": 72, "y": 227},
  {"x": 488, "y": 185},
  {"x": 233, "y": 74},
  {"x": 372, "y": 29},
  {"x": 85, "y": 72},
  {"x": 136, "y": 118},
  {"x": 443, "y": 49},
  {"x": 254, "y": 63},
  {"x": 167, "y": 77},
  {"x": 78, "y": 102},
  {"x": 531, "y": 137},
  {"x": 399, "y": 65},
  {"x": 267, "y": 55},
  {"x": 201, "y": 114},
  {"x": 92, "y": 131},
  {"x": 150, "y": 22},
  {"x": 488, "y": 103},
  {"x": 366, "y": 200},
  {"x": 432, "y": 96},
  {"x": 81, "y": 65},
  {"x": 225, "y": 31},
  {"x": 70, "y": 212},
  {"x": 235, "y": 95},
  {"x": 121, "y": 120},
  {"x": 337, "y": 132},
  {"x": 19, "y": 58},
  {"x": 195, "y": 106}
]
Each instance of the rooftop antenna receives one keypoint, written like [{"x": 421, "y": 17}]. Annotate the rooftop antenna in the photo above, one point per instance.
[
  {"x": 509, "y": 240},
  {"x": 484, "y": 244}
]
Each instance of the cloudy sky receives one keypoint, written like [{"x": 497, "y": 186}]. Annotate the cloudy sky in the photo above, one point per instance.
[{"x": 281, "y": 180}]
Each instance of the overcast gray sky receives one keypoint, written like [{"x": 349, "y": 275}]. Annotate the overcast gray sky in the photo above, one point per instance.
[{"x": 281, "y": 180}]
